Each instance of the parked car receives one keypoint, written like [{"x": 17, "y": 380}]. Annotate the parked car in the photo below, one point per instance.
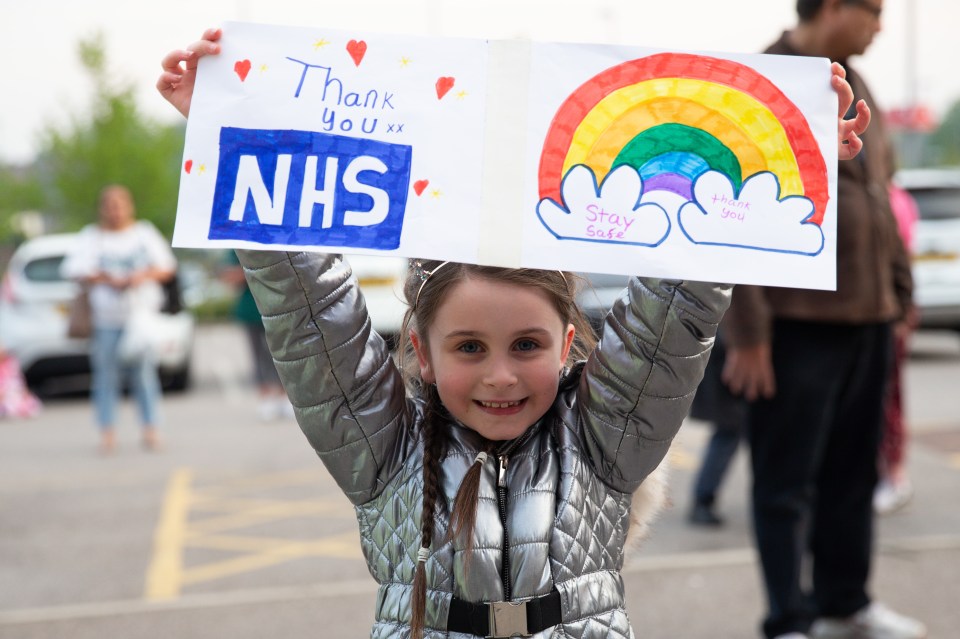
[
  {"x": 598, "y": 294},
  {"x": 936, "y": 250},
  {"x": 34, "y": 301},
  {"x": 381, "y": 280}
]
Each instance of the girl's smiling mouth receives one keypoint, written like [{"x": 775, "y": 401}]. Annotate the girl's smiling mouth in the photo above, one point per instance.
[{"x": 502, "y": 406}]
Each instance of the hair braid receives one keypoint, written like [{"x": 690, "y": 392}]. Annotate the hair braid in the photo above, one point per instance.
[
  {"x": 463, "y": 516},
  {"x": 433, "y": 444}
]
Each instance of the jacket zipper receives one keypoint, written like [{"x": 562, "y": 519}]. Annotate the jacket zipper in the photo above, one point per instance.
[
  {"x": 502, "y": 504},
  {"x": 502, "y": 456}
]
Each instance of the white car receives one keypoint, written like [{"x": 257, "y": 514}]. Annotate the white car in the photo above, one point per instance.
[
  {"x": 34, "y": 300},
  {"x": 381, "y": 280},
  {"x": 936, "y": 249}
]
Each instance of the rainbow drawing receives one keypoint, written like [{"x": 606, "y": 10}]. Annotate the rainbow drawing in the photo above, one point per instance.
[{"x": 673, "y": 117}]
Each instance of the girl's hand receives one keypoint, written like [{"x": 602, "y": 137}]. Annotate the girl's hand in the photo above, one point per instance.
[
  {"x": 180, "y": 70},
  {"x": 848, "y": 131}
]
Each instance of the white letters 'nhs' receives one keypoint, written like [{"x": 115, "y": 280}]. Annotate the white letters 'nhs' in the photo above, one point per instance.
[
  {"x": 250, "y": 180},
  {"x": 270, "y": 211}
]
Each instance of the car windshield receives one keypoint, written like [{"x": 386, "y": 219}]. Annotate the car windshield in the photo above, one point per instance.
[
  {"x": 44, "y": 269},
  {"x": 938, "y": 204}
]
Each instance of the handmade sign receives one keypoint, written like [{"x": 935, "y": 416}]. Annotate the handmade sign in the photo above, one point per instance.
[{"x": 591, "y": 158}]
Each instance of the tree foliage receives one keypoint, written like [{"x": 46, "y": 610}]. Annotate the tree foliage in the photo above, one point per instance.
[
  {"x": 945, "y": 142},
  {"x": 112, "y": 143},
  {"x": 21, "y": 192}
]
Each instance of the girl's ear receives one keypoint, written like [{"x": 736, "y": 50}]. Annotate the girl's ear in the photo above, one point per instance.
[
  {"x": 567, "y": 344},
  {"x": 423, "y": 358}
]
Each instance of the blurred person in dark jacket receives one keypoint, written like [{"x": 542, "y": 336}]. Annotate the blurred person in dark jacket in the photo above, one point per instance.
[{"x": 815, "y": 365}]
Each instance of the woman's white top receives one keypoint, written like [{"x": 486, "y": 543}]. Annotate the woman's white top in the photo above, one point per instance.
[{"x": 121, "y": 254}]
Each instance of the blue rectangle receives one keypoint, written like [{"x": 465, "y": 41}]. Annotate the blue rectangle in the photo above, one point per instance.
[{"x": 361, "y": 205}]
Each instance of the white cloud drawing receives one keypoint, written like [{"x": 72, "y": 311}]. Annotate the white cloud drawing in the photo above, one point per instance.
[
  {"x": 611, "y": 213},
  {"x": 754, "y": 219}
]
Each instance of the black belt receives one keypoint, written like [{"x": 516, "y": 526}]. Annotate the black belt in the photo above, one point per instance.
[{"x": 505, "y": 618}]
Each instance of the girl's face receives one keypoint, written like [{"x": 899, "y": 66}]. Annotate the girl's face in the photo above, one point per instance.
[{"x": 495, "y": 352}]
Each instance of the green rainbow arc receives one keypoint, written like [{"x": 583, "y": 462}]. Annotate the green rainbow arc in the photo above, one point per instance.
[{"x": 672, "y": 137}]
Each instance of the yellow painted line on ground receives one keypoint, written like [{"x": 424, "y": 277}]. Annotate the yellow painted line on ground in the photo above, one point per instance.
[
  {"x": 259, "y": 482},
  {"x": 264, "y": 513},
  {"x": 344, "y": 546},
  {"x": 201, "y": 502},
  {"x": 217, "y": 518},
  {"x": 164, "y": 577}
]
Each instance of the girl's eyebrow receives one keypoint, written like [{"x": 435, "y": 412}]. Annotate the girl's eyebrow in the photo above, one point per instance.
[{"x": 533, "y": 330}]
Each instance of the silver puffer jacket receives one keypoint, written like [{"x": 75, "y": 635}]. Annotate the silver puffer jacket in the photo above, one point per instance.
[{"x": 569, "y": 479}]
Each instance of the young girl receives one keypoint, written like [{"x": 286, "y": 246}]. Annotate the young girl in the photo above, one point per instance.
[{"x": 494, "y": 498}]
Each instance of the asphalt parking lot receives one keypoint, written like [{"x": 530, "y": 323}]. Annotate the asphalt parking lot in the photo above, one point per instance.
[{"x": 234, "y": 530}]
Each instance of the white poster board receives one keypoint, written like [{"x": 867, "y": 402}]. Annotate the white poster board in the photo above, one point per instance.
[{"x": 590, "y": 158}]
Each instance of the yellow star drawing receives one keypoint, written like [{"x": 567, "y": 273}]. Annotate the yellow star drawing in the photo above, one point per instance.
[
  {"x": 263, "y": 68},
  {"x": 461, "y": 94},
  {"x": 404, "y": 61},
  {"x": 202, "y": 168},
  {"x": 436, "y": 193},
  {"x": 322, "y": 42}
]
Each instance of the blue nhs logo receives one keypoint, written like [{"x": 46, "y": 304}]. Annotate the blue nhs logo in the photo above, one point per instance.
[{"x": 310, "y": 189}]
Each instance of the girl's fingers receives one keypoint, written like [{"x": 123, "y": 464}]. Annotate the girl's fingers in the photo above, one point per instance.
[
  {"x": 168, "y": 79},
  {"x": 850, "y": 131},
  {"x": 179, "y": 70},
  {"x": 192, "y": 54},
  {"x": 213, "y": 34},
  {"x": 844, "y": 91},
  {"x": 862, "y": 121},
  {"x": 171, "y": 61}
]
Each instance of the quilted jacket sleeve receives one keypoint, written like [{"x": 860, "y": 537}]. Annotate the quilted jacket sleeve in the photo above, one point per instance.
[
  {"x": 638, "y": 384},
  {"x": 346, "y": 391}
]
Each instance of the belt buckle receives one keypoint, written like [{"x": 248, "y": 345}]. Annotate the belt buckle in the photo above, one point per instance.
[{"x": 508, "y": 619}]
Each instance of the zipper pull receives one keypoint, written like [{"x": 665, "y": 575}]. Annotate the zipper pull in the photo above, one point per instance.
[{"x": 502, "y": 473}]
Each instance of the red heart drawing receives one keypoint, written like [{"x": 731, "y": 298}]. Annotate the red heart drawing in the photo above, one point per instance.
[
  {"x": 420, "y": 185},
  {"x": 187, "y": 166},
  {"x": 242, "y": 68},
  {"x": 357, "y": 49},
  {"x": 444, "y": 84}
]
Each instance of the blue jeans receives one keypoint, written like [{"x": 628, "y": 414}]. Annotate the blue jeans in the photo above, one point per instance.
[
  {"x": 108, "y": 374},
  {"x": 713, "y": 467},
  {"x": 728, "y": 414}
]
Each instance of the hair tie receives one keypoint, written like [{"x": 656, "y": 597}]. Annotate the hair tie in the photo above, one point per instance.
[
  {"x": 481, "y": 458},
  {"x": 423, "y": 554}
]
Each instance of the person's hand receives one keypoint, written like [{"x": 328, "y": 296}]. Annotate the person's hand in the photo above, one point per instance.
[
  {"x": 848, "y": 131},
  {"x": 909, "y": 323},
  {"x": 748, "y": 372},
  {"x": 139, "y": 277},
  {"x": 180, "y": 70},
  {"x": 115, "y": 281}
]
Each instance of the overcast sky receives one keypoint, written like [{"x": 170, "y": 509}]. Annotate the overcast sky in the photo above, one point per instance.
[{"x": 44, "y": 82}]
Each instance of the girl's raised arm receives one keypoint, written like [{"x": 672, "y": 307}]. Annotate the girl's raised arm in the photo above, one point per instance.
[{"x": 176, "y": 82}]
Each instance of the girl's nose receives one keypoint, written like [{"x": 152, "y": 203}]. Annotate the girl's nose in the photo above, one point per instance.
[{"x": 500, "y": 374}]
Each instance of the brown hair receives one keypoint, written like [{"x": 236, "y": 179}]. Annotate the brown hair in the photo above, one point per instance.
[{"x": 425, "y": 290}]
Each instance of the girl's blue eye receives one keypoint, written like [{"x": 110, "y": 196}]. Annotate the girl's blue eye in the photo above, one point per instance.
[
  {"x": 527, "y": 345},
  {"x": 470, "y": 347}
]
